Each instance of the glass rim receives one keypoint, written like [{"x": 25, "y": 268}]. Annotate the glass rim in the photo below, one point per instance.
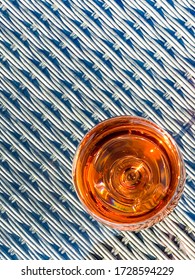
[{"x": 172, "y": 202}]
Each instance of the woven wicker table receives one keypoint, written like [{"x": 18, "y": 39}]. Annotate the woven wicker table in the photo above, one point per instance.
[{"x": 64, "y": 67}]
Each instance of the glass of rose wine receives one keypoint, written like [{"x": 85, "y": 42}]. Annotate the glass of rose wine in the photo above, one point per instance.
[{"x": 128, "y": 173}]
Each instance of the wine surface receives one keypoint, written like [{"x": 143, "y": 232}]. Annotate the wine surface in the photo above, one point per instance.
[{"x": 126, "y": 171}]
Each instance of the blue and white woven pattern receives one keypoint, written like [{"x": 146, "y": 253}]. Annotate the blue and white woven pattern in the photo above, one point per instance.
[{"x": 66, "y": 65}]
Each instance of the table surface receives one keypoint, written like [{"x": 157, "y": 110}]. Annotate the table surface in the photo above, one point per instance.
[{"x": 64, "y": 67}]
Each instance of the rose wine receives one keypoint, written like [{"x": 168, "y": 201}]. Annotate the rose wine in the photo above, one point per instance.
[{"x": 126, "y": 172}]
